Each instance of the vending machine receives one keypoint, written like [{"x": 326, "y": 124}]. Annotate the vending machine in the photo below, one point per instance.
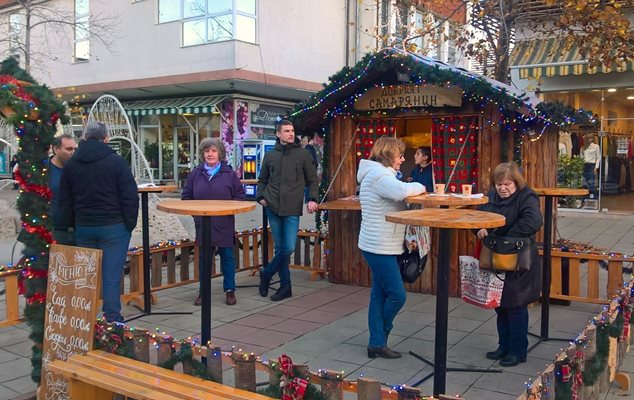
[{"x": 252, "y": 157}]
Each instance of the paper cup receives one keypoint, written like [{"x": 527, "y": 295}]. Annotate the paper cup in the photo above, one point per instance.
[
  {"x": 466, "y": 189},
  {"x": 439, "y": 188}
]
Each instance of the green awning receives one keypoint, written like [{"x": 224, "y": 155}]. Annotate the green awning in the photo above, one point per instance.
[
  {"x": 182, "y": 105},
  {"x": 556, "y": 56}
]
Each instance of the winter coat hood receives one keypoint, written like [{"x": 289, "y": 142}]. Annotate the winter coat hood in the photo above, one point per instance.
[{"x": 92, "y": 150}]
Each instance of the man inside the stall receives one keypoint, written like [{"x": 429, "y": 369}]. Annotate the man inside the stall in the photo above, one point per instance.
[{"x": 286, "y": 171}]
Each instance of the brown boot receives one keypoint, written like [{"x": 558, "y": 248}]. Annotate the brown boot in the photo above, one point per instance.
[
  {"x": 231, "y": 298},
  {"x": 199, "y": 300}
]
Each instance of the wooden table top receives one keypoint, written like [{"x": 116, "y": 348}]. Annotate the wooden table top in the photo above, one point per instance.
[
  {"x": 206, "y": 207},
  {"x": 431, "y": 200},
  {"x": 560, "y": 192},
  {"x": 157, "y": 189},
  {"x": 351, "y": 203},
  {"x": 447, "y": 218}
]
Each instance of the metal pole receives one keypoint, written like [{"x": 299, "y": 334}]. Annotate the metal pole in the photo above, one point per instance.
[
  {"x": 207, "y": 253},
  {"x": 145, "y": 224},
  {"x": 442, "y": 312},
  {"x": 548, "y": 228}
]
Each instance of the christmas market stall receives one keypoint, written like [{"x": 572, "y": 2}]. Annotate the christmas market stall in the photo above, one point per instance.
[{"x": 470, "y": 122}]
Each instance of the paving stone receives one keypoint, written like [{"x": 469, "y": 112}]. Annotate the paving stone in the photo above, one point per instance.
[
  {"x": 283, "y": 310},
  {"x": 7, "y": 394},
  {"x": 488, "y": 394},
  {"x": 508, "y": 382},
  {"x": 260, "y": 321},
  {"x": 295, "y": 326},
  {"x": 318, "y": 316},
  {"x": 21, "y": 385},
  {"x": 267, "y": 338},
  {"x": 429, "y": 333},
  {"x": 385, "y": 376}
]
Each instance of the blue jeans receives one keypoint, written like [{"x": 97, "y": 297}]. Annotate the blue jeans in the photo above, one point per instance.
[
  {"x": 227, "y": 266},
  {"x": 512, "y": 326},
  {"x": 386, "y": 298},
  {"x": 113, "y": 240},
  {"x": 284, "y": 231},
  {"x": 589, "y": 177}
]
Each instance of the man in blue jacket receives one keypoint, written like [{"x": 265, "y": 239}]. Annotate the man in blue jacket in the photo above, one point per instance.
[
  {"x": 98, "y": 198},
  {"x": 286, "y": 170}
]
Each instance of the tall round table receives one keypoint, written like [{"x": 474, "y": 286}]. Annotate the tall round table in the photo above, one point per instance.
[
  {"x": 448, "y": 201},
  {"x": 145, "y": 229},
  {"x": 445, "y": 219},
  {"x": 549, "y": 195},
  {"x": 206, "y": 209}
]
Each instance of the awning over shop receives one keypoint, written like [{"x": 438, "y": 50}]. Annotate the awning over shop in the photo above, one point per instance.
[
  {"x": 188, "y": 105},
  {"x": 549, "y": 57}
]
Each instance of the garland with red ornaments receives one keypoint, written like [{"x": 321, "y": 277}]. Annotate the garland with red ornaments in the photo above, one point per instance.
[{"x": 33, "y": 111}]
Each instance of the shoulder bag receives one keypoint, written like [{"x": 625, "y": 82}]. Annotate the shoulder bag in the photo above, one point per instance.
[{"x": 506, "y": 253}]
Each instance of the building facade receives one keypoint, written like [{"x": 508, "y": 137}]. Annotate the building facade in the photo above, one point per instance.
[
  {"x": 188, "y": 69},
  {"x": 556, "y": 71}
]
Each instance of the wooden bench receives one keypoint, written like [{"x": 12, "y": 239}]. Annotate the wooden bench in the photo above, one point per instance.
[
  {"x": 10, "y": 277},
  {"x": 99, "y": 375},
  {"x": 592, "y": 293},
  {"x": 303, "y": 259}
]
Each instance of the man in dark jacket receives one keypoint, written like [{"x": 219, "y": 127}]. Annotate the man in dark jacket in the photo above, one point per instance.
[
  {"x": 64, "y": 147},
  {"x": 286, "y": 170},
  {"x": 98, "y": 198}
]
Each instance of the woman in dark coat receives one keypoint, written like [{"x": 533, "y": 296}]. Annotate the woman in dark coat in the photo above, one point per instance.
[
  {"x": 520, "y": 206},
  {"x": 213, "y": 179}
]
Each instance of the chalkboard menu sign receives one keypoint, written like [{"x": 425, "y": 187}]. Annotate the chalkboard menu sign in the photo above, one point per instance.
[{"x": 71, "y": 310}]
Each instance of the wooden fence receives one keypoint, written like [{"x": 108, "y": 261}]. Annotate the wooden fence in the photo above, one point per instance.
[
  {"x": 572, "y": 276},
  {"x": 247, "y": 368},
  {"x": 176, "y": 263},
  {"x": 12, "y": 314}
]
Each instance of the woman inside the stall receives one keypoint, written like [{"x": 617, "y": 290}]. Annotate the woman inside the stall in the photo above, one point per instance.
[
  {"x": 520, "y": 206},
  {"x": 381, "y": 241}
]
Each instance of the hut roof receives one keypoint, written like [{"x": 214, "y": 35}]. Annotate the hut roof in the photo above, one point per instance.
[{"x": 394, "y": 66}]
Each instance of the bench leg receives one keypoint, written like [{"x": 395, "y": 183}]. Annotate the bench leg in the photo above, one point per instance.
[{"x": 82, "y": 390}]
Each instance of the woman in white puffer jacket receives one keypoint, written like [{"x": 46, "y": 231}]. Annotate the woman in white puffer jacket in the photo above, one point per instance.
[{"x": 381, "y": 241}]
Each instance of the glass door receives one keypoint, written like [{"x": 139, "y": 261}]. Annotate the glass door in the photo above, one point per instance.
[{"x": 183, "y": 157}]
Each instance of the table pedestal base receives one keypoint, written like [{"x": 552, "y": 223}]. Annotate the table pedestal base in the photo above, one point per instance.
[
  {"x": 147, "y": 291},
  {"x": 450, "y": 369}
]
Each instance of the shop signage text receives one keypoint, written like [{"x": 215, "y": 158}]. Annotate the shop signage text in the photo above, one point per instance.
[{"x": 408, "y": 96}]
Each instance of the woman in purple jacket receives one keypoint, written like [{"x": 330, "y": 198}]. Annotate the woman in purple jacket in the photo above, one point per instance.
[{"x": 213, "y": 179}]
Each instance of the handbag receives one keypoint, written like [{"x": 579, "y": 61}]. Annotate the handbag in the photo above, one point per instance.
[
  {"x": 479, "y": 287},
  {"x": 506, "y": 253},
  {"x": 414, "y": 258},
  {"x": 411, "y": 265}
]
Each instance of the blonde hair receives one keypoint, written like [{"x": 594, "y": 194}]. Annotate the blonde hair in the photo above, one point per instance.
[
  {"x": 386, "y": 149},
  {"x": 508, "y": 170},
  {"x": 212, "y": 142}
]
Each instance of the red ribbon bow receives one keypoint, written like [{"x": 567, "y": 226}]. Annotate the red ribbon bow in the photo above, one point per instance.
[{"x": 292, "y": 388}]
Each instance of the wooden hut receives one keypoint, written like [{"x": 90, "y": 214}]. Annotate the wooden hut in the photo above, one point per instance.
[{"x": 425, "y": 103}]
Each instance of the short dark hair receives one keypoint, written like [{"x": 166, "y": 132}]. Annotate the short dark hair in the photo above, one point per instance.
[
  {"x": 280, "y": 123},
  {"x": 96, "y": 130},
  {"x": 426, "y": 151},
  {"x": 57, "y": 140}
]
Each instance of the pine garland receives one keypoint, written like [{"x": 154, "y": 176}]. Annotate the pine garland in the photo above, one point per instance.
[{"x": 35, "y": 114}]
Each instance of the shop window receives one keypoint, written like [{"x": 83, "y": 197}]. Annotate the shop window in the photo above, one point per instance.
[{"x": 81, "y": 30}]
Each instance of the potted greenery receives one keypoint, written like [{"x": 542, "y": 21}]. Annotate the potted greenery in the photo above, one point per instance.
[{"x": 570, "y": 175}]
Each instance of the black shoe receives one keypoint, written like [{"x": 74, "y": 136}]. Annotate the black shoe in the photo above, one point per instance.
[
  {"x": 496, "y": 355},
  {"x": 264, "y": 283},
  {"x": 383, "y": 352},
  {"x": 511, "y": 361},
  {"x": 282, "y": 293}
]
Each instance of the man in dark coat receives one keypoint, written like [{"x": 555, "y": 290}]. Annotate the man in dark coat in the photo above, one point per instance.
[
  {"x": 286, "y": 171},
  {"x": 520, "y": 206},
  {"x": 98, "y": 198}
]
